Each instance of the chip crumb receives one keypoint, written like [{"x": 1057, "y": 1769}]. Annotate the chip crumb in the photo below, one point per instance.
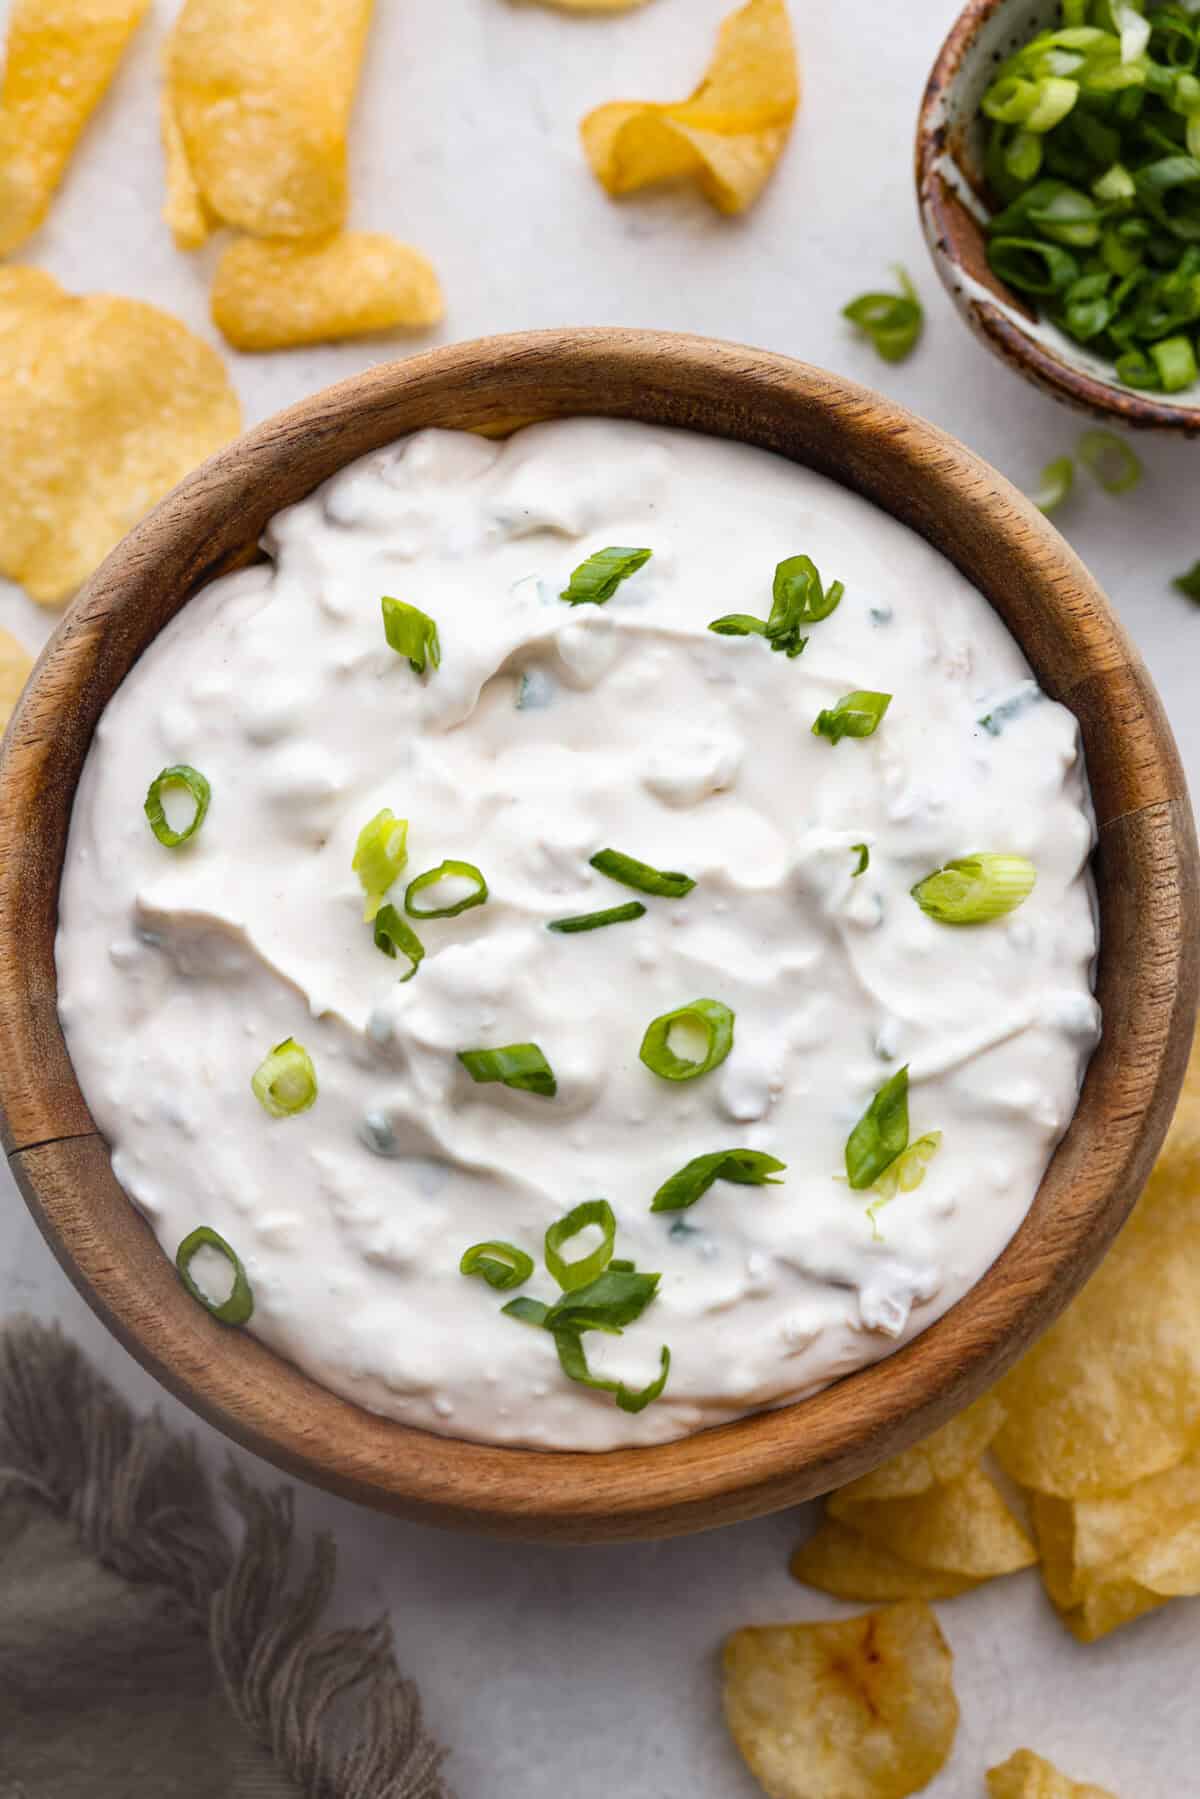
[
  {"x": 1028, "y": 1776},
  {"x": 15, "y": 664},
  {"x": 60, "y": 57},
  {"x": 272, "y": 294},
  {"x": 727, "y": 136}
]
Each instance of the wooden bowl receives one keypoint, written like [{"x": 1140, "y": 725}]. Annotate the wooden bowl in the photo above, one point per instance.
[
  {"x": 952, "y": 195},
  {"x": 1146, "y": 870}
]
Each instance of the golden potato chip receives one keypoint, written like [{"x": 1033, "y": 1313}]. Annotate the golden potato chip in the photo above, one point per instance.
[
  {"x": 1091, "y": 1599},
  {"x": 946, "y": 1454},
  {"x": 728, "y": 136},
  {"x": 1082, "y": 1539},
  {"x": 861, "y": 1708},
  {"x": 185, "y": 212},
  {"x": 61, "y": 56},
  {"x": 1109, "y": 1394},
  {"x": 836, "y": 1560},
  {"x": 256, "y": 112},
  {"x": 15, "y": 664},
  {"x": 1107, "y": 1605},
  {"x": 960, "y": 1526},
  {"x": 272, "y": 293},
  {"x": 1027, "y": 1776},
  {"x": 105, "y": 404}
]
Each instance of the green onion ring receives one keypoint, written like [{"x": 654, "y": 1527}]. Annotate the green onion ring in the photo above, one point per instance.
[
  {"x": 976, "y": 889},
  {"x": 574, "y": 1364},
  {"x": 1110, "y": 460},
  {"x": 411, "y": 633},
  {"x": 465, "y": 871},
  {"x": 710, "y": 1016},
  {"x": 501, "y": 1265},
  {"x": 1058, "y": 478},
  {"x": 240, "y": 1304},
  {"x": 594, "y": 921},
  {"x": 285, "y": 1082},
  {"x": 392, "y": 933},
  {"x": 578, "y": 1273},
  {"x": 180, "y": 775}
]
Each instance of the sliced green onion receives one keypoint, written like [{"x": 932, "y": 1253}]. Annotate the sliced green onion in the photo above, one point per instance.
[
  {"x": 527, "y": 1311},
  {"x": 180, "y": 775},
  {"x": 1058, "y": 478},
  {"x": 745, "y": 1167},
  {"x": 392, "y": 933},
  {"x": 379, "y": 856},
  {"x": 1175, "y": 361},
  {"x": 893, "y": 322},
  {"x": 610, "y": 1302},
  {"x": 1030, "y": 266},
  {"x": 411, "y": 633},
  {"x": 1111, "y": 461},
  {"x": 574, "y": 1365},
  {"x": 1189, "y": 583},
  {"x": 1169, "y": 190},
  {"x": 1115, "y": 185},
  {"x": 573, "y": 1274},
  {"x": 880, "y": 1135},
  {"x": 285, "y": 1082},
  {"x": 864, "y": 858},
  {"x": 739, "y": 624},
  {"x": 1135, "y": 369},
  {"x": 797, "y": 598},
  {"x": 501, "y": 1265},
  {"x": 904, "y": 1175},
  {"x": 240, "y": 1304},
  {"x": 976, "y": 889},
  {"x": 445, "y": 871},
  {"x": 856, "y": 714},
  {"x": 619, "y": 1267},
  {"x": 519, "y": 1065},
  {"x": 709, "y": 1016},
  {"x": 597, "y": 579},
  {"x": 667, "y": 883},
  {"x": 595, "y": 921}
]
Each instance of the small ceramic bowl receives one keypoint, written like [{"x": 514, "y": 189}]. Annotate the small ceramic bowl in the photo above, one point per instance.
[
  {"x": 953, "y": 200},
  {"x": 1146, "y": 881}
]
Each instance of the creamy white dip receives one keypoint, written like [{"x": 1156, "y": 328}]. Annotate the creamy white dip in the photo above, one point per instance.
[{"x": 549, "y": 733}]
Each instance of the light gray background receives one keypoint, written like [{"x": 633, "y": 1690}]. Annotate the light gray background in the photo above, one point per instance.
[{"x": 589, "y": 1673}]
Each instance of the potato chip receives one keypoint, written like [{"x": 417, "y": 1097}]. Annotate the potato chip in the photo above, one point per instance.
[
  {"x": 960, "y": 1527},
  {"x": 946, "y": 1454},
  {"x": 105, "y": 403},
  {"x": 1090, "y": 1597},
  {"x": 273, "y": 293},
  {"x": 61, "y": 56},
  {"x": 836, "y": 1560},
  {"x": 1081, "y": 1539},
  {"x": 15, "y": 664},
  {"x": 1027, "y": 1776},
  {"x": 185, "y": 212},
  {"x": 861, "y": 1708},
  {"x": 256, "y": 113},
  {"x": 1109, "y": 1394},
  {"x": 1107, "y": 1605},
  {"x": 728, "y": 136}
]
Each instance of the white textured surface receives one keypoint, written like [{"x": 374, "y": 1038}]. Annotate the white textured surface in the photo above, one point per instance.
[{"x": 592, "y": 1673}]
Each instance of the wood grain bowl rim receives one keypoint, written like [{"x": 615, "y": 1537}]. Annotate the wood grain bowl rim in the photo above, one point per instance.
[
  {"x": 1146, "y": 872},
  {"x": 956, "y": 247}
]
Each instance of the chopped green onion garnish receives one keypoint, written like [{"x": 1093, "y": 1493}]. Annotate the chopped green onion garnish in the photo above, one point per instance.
[
  {"x": 594, "y": 921},
  {"x": 519, "y": 1065},
  {"x": 619, "y": 1267},
  {"x": 446, "y": 871},
  {"x": 739, "y": 624},
  {"x": 880, "y": 1135},
  {"x": 574, "y": 1365},
  {"x": 904, "y": 1175},
  {"x": 864, "y": 858},
  {"x": 1189, "y": 583},
  {"x": 667, "y": 883},
  {"x": 577, "y": 1273},
  {"x": 709, "y": 1017},
  {"x": 975, "y": 889},
  {"x": 392, "y": 933},
  {"x": 608, "y": 1303},
  {"x": 181, "y": 775},
  {"x": 746, "y": 1167},
  {"x": 527, "y": 1311},
  {"x": 797, "y": 598},
  {"x": 597, "y": 579},
  {"x": 893, "y": 322},
  {"x": 379, "y": 856},
  {"x": 411, "y": 633},
  {"x": 285, "y": 1082},
  {"x": 1175, "y": 362},
  {"x": 501, "y": 1265},
  {"x": 856, "y": 714},
  {"x": 1058, "y": 478},
  {"x": 240, "y": 1304}
]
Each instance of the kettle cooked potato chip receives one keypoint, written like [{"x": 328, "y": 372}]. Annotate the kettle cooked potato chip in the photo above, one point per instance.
[
  {"x": 256, "y": 113},
  {"x": 105, "y": 403},
  {"x": 960, "y": 1526},
  {"x": 835, "y": 1559},
  {"x": 61, "y": 56},
  {"x": 1027, "y": 1776},
  {"x": 273, "y": 293},
  {"x": 861, "y": 1708},
  {"x": 948, "y": 1452},
  {"x": 15, "y": 664},
  {"x": 728, "y": 136}
]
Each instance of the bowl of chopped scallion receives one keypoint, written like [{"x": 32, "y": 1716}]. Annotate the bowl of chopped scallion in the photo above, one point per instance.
[{"x": 1058, "y": 173}]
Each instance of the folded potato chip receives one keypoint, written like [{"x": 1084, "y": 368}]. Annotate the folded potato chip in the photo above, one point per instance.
[
  {"x": 946, "y": 1454},
  {"x": 274, "y": 293},
  {"x": 835, "y": 1559},
  {"x": 1079, "y": 1566},
  {"x": 15, "y": 664},
  {"x": 861, "y": 1708},
  {"x": 61, "y": 56},
  {"x": 1081, "y": 1539},
  {"x": 1027, "y": 1776},
  {"x": 1110, "y": 1394},
  {"x": 256, "y": 112},
  {"x": 960, "y": 1526},
  {"x": 728, "y": 136},
  {"x": 105, "y": 403}
]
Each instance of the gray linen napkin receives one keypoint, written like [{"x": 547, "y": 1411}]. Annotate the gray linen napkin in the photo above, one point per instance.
[{"x": 142, "y": 1654}]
